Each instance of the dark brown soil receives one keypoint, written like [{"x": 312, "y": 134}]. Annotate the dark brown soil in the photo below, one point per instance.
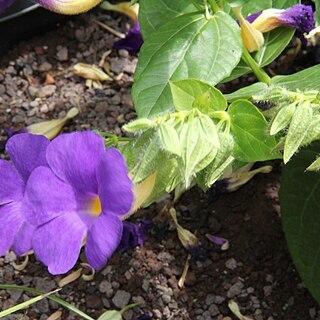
[{"x": 256, "y": 271}]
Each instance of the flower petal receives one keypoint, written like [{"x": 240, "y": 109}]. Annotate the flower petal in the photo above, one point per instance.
[
  {"x": 103, "y": 239},
  {"x": 11, "y": 221},
  {"x": 58, "y": 243},
  {"x": 132, "y": 42},
  {"x": 115, "y": 187},
  {"x": 23, "y": 240},
  {"x": 74, "y": 157},
  {"x": 27, "y": 151},
  {"x": 47, "y": 197},
  {"x": 11, "y": 184}
]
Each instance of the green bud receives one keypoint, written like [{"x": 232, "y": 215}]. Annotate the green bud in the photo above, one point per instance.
[{"x": 139, "y": 125}]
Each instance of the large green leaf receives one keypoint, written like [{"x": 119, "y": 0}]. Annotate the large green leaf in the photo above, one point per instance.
[
  {"x": 303, "y": 80},
  {"x": 249, "y": 128},
  {"x": 300, "y": 207},
  {"x": 190, "y": 46},
  {"x": 153, "y": 14}
]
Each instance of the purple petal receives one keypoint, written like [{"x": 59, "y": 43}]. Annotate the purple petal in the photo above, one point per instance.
[
  {"x": 23, "y": 240},
  {"x": 4, "y": 4},
  {"x": 11, "y": 221},
  {"x": 11, "y": 184},
  {"x": 253, "y": 16},
  {"x": 299, "y": 17},
  {"x": 134, "y": 234},
  {"x": 103, "y": 239},
  {"x": 74, "y": 157},
  {"x": 58, "y": 243},
  {"x": 221, "y": 242},
  {"x": 132, "y": 42},
  {"x": 115, "y": 187},
  {"x": 47, "y": 197},
  {"x": 27, "y": 151}
]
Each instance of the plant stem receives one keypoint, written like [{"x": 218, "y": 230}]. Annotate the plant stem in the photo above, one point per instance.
[
  {"x": 215, "y": 8},
  {"x": 258, "y": 71}
]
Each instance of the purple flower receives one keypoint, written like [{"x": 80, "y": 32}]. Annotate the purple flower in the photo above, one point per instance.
[
  {"x": 132, "y": 42},
  {"x": 26, "y": 152},
  {"x": 81, "y": 195},
  {"x": 4, "y": 4},
  {"x": 134, "y": 234},
  {"x": 299, "y": 17}
]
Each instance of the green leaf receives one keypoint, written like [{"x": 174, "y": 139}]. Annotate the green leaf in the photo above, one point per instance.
[
  {"x": 247, "y": 92},
  {"x": 249, "y": 128},
  {"x": 275, "y": 42},
  {"x": 298, "y": 129},
  {"x": 300, "y": 207},
  {"x": 138, "y": 125},
  {"x": 169, "y": 138},
  {"x": 153, "y": 14},
  {"x": 187, "y": 94},
  {"x": 308, "y": 79},
  {"x": 190, "y": 46}
]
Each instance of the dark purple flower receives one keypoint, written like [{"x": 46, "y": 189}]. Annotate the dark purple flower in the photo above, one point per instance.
[
  {"x": 4, "y": 4},
  {"x": 299, "y": 17},
  {"x": 26, "y": 152},
  {"x": 134, "y": 234},
  {"x": 132, "y": 42},
  {"x": 81, "y": 195}
]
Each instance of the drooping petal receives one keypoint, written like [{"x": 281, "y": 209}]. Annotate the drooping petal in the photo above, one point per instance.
[
  {"x": 74, "y": 157},
  {"x": 11, "y": 221},
  {"x": 11, "y": 184},
  {"x": 23, "y": 240},
  {"x": 68, "y": 6},
  {"x": 115, "y": 187},
  {"x": 27, "y": 151},
  {"x": 47, "y": 197},
  {"x": 103, "y": 239},
  {"x": 132, "y": 42},
  {"x": 4, "y": 4},
  {"x": 299, "y": 17},
  {"x": 58, "y": 243}
]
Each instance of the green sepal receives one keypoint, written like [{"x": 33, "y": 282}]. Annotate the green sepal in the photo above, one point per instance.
[
  {"x": 298, "y": 129},
  {"x": 169, "y": 138},
  {"x": 282, "y": 118}
]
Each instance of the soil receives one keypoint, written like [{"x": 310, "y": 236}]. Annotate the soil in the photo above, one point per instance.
[{"x": 256, "y": 271}]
